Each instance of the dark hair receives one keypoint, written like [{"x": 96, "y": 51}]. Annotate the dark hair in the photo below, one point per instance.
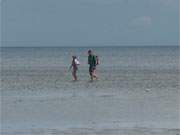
[
  {"x": 89, "y": 51},
  {"x": 74, "y": 56}
]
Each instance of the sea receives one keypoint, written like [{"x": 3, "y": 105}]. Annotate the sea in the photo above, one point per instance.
[
  {"x": 113, "y": 61},
  {"x": 127, "y": 67},
  {"x": 122, "y": 58},
  {"x": 138, "y": 88}
]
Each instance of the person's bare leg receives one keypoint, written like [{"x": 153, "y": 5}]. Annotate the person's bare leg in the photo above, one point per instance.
[
  {"x": 74, "y": 75},
  {"x": 91, "y": 76},
  {"x": 95, "y": 75}
]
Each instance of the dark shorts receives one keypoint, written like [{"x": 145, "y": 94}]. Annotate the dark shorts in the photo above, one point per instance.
[{"x": 92, "y": 68}]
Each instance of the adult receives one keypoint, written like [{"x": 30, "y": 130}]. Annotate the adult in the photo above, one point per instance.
[{"x": 92, "y": 65}]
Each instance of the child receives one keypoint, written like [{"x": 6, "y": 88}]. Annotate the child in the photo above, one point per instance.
[{"x": 74, "y": 65}]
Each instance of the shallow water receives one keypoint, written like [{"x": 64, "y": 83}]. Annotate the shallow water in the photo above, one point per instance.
[
  {"x": 111, "y": 57},
  {"x": 137, "y": 93},
  {"x": 120, "y": 67}
]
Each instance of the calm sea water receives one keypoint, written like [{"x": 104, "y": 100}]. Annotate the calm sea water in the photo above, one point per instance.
[
  {"x": 137, "y": 87},
  {"x": 112, "y": 58},
  {"x": 120, "y": 67}
]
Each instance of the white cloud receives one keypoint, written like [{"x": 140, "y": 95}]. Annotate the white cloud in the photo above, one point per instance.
[
  {"x": 106, "y": 2},
  {"x": 166, "y": 3},
  {"x": 143, "y": 21}
]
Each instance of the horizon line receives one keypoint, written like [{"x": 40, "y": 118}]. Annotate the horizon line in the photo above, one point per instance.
[{"x": 89, "y": 46}]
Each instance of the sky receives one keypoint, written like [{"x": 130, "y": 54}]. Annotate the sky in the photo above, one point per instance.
[{"x": 89, "y": 22}]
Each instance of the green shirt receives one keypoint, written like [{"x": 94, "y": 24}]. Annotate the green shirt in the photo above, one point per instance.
[{"x": 92, "y": 60}]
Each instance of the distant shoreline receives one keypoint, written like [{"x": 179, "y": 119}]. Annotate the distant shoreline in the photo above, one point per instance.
[{"x": 154, "y": 46}]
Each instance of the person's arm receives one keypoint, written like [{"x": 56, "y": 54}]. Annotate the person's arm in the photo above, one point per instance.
[
  {"x": 97, "y": 60},
  {"x": 94, "y": 60},
  {"x": 71, "y": 66},
  {"x": 88, "y": 60}
]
